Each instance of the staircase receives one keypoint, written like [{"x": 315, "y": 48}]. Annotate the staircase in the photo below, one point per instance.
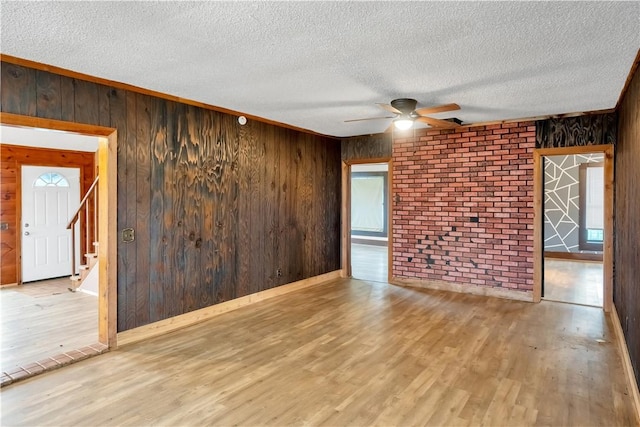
[
  {"x": 85, "y": 281},
  {"x": 84, "y": 277}
]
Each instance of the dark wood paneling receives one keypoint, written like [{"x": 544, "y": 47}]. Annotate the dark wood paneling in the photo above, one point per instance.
[
  {"x": 129, "y": 192},
  {"x": 144, "y": 135},
  {"x": 48, "y": 95},
  {"x": 593, "y": 129},
  {"x": 244, "y": 259},
  {"x": 626, "y": 289},
  {"x": 218, "y": 208},
  {"x": 104, "y": 109},
  {"x": 160, "y": 156},
  {"x": 18, "y": 94},
  {"x": 173, "y": 217},
  {"x": 67, "y": 99},
  {"x": 118, "y": 120},
  {"x": 367, "y": 147},
  {"x": 86, "y": 106}
]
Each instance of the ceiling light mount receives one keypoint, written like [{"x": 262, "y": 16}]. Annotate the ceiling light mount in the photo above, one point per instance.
[
  {"x": 405, "y": 105},
  {"x": 403, "y": 122}
]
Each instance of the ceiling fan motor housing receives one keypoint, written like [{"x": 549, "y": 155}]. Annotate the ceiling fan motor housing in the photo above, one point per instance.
[{"x": 406, "y": 105}]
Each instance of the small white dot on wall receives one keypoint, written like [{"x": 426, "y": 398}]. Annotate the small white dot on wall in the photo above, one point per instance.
[{"x": 242, "y": 120}]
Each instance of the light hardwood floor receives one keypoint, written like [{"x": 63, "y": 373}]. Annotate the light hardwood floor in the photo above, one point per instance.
[
  {"x": 369, "y": 262},
  {"x": 577, "y": 282},
  {"x": 350, "y": 353},
  {"x": 43, "y": 319}
]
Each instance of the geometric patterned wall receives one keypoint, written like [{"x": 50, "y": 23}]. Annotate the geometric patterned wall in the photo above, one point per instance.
[{"x": 561, "y": 200}]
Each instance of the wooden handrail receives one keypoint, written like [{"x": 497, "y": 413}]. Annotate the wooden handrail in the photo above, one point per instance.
[{"x": 74, "y": 218}]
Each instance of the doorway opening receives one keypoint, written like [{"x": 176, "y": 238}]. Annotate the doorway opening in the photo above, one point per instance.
[
  {"x": 573, "y": 225},
  {"x": 41, "y": 319},
  {"x": 369, "y": 221},
  {"x": 573, "y": 228}
]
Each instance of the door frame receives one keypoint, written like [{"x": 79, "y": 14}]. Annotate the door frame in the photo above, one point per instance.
[
  {"x": 345, "y": 214},
  {"x": 107, "y": 226},
  {"x": 538, "y": 216}
]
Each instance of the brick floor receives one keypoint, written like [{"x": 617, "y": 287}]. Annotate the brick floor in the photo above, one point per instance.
[{"x": 51, "y": 363}]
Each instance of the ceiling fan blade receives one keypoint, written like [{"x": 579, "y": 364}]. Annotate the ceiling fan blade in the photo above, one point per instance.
[
  {"x": 389, "y": 108},
  {"x": 368, "y": 118},
  {"x": 437, "y": 123},
  {"x": 437, "y": 109}
]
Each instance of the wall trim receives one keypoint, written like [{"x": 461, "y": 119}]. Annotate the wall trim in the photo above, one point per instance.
[
  {"x": 188, "y": 319},
  {"x": 575, "y": 256},
  {"x": 442, "y": 285},
  {"x": 626, "y": 362}
]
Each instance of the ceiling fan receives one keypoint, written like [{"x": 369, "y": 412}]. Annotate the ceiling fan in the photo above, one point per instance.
[{"x": 405, "y": 114}]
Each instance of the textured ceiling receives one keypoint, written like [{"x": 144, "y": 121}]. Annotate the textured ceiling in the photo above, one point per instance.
[{"x": 315, "y": 64}]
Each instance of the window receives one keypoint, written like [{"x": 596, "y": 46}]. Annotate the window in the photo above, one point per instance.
[
  {"x": 369, "y": 204},
  {"x": 591, "y": 206},
  {"x": 51, "y": 179}
]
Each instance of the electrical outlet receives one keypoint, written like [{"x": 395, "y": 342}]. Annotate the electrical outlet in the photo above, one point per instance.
[{"x": 279, "y": 272}]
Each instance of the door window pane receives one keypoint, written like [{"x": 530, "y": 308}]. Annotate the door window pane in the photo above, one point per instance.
[{"x": 51, "y": 179}]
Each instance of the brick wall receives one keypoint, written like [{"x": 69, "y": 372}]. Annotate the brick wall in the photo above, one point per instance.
[{"x": 463, "y": 205}]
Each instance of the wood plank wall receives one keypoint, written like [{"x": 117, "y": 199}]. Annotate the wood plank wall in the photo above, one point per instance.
[
  {"x": 219, "y": 210},
  {"x": 12, "y": 157},
  {"x": 593, "y": 129},
  {"x": 626, "y": 280},
  {"x": 366, "y": 147}
]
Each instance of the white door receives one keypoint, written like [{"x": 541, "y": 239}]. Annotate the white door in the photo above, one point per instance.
[{"x": 50, "y": 196}]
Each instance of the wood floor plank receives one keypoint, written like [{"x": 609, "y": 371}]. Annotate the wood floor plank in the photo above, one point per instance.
[
  {"x": 43, "y": 319},
  {"x": 350, "y": 352}
]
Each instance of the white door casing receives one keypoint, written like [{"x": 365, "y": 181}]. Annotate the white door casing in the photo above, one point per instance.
[{"x": 50, "y": 196}]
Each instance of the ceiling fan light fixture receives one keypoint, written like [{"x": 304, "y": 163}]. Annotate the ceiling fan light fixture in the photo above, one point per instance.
[{"x": 403, "y": 123}]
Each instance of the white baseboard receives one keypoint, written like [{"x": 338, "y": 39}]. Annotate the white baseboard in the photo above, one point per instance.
[
  {"x": 182, "y": 321},
  {"x": 626, "y": 362},
  {"x": 442, "y": 285}
]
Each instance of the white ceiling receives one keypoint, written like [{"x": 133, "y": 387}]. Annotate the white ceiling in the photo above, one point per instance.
[
  {"x": 45, "y": 138},
  {"x": 315, "y": 64}
]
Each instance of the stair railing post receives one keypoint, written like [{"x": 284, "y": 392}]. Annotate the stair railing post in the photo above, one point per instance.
[
  {"x": 73, "y": 251},
  {"x": 95, "y": 217},
  {"x": 86, "y": 228}
]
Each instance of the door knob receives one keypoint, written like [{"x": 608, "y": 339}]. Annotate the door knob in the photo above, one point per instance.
[{"x": 26, "y": 233}]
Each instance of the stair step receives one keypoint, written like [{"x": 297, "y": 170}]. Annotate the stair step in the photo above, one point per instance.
[{"x": 91, "y": 255}]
